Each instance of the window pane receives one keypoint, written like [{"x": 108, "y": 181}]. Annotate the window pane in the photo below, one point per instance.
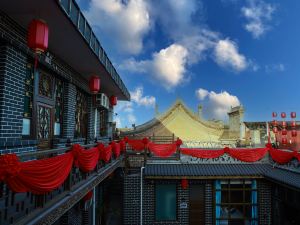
[
  {"x": 26, "y": 127},
  {"x": 56, "y": 128},
  {"x": 165, "y": 202},
  {"x": 236, "y": 196}
]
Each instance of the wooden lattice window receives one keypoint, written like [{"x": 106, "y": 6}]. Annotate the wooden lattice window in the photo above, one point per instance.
[
  {"x": 58, "y": 119},
  {"x": 81, "y": 115},
  {"x": 103, "y": 122},
  {"x": 28, "y": 101}
]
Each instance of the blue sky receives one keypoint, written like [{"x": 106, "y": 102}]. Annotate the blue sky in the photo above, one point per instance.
[{"x": 217, "y": 53}]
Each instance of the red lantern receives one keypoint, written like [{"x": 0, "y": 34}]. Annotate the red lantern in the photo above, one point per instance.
[
  {"x": 284, "y": 131},
  {"x": 283, "y": 124},
  {"x": 294, "y": 133},
  {"x": 113, "y": 100},
  {"x": 184, "y": 183},
  {"x": 283, "y": 115},
  {"x": 274, "y": 122},
  {"x": 274, "y": 114},
  {"x": 284, "y": 141},
  {"x": 94, "y": 84},
  {"x": 293, "y": 124},
  {"x": 293, "y": 115},
  {"x": 38, "y": 32},
  {"x": 275, "y": 130}
]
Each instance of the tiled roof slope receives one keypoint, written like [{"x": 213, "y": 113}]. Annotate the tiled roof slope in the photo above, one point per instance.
[{"x": 203, "y": 171}]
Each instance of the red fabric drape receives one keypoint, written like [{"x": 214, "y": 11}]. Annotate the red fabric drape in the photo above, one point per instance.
[
  {"x": 105, "y": 152},
  {"x": 248, "y": 155},
  {"x": 38, "y": 176},
  {"x": 281, "y": 156},
  {"x": 162, "y": 150},
  {"x": 122, "y": 145},
  {"x": 137, "y": 145},
  {"x": 116, "y": 149},
  {"x": 202, "y": 153},
  {"x": 86, "y": 160}
]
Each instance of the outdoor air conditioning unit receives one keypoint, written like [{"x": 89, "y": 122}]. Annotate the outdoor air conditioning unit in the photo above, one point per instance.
[{"x": 102, "y": 101}]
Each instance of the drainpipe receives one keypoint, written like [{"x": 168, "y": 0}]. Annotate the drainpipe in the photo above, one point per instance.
[
  {"x": 94, "y": 206},
  {"x": 141, "y": 207}
]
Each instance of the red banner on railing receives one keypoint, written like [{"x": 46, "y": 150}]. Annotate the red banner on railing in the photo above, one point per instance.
[{"x": 162, "y": 150}]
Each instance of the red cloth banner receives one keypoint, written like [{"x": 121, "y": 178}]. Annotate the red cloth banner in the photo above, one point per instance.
[
  {"x": 248, "y": 155},
  {"x": 281, "y": 156},
  {"x": 162, "y": 150},
  {"x": 116, "y": 149},
  {"x": 137, "y": 145},
  {"x": 202, "y": 153},
  {"x": 86, "y": 160},
  {"x": 122, "y": 145},
  {"x": 37, "y": 176},
  {"x": 105, "y": 152}
]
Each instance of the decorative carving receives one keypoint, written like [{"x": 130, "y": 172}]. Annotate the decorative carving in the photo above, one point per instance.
[
  {"x": 44, "y": 117},
  {"x": 45, "y": 85}
]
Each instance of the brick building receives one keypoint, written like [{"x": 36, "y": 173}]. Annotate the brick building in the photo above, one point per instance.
[
  {"x": 221, "y": 190},
  {"x": 46, "y": 108}
]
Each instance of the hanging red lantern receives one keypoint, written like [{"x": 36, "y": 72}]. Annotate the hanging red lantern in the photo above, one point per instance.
[
  {"x": 184, "y": 183},
  {"x": 284, "y": 132},
  {"x": 38, "y": 32},
  {"x": 113, "y": 100},
  {"x": 274, "y": 122},
  {"x": 37, "y": 39},
  {"x": 283, "y": 124},
  {"x": 94, "y": 84},
  {"x": 283, "y": 115},
  {"x": 293, "y": 124},
  {"x": 275, "y": 130},
  {"x": 284, "y": 141},
  {"x": 293, "y": 115},
  {"x": 274, "y": 114},
  {"x": 294, "y": 133}
]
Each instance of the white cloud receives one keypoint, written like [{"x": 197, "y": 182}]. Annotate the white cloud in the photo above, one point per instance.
[
  {"x": 139, "y": 99},
  {"x": 202, "y": 93},
  {"x": 258, "y": 15},
  {"x": 217, "y": 104},
  {"x": 124, "y": 23},
  {"x": 227, "y": 55},
  {"x": 168, "y": 66},
  {"x": 273, "y": 68}
]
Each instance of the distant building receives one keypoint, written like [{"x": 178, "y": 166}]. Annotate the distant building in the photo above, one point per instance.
[{"x": 182, "y": 122}]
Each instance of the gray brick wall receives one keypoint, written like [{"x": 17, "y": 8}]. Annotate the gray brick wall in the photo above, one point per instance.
[
  {"x": 12, "y": 76},
  {"x": 91, "y": 119},
  {"x": 209, "y": 210},
  {"x": 131, "y": 200},
  {"x": 264, "y": 202}
]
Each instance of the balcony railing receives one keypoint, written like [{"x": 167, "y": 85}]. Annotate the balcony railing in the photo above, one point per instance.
[{"x": 28, "y": 208}]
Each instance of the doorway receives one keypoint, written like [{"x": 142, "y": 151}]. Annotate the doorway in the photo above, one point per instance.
[{"x": 197, "y": 204}]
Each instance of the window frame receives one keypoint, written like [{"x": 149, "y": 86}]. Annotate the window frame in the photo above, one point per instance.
[
  {"x": 155, "y": 202},
  {"x": 229, "y": 189}
]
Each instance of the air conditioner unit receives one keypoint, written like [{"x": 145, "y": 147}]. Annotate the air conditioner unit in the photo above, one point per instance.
[{"x": 102, "y": 101}]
